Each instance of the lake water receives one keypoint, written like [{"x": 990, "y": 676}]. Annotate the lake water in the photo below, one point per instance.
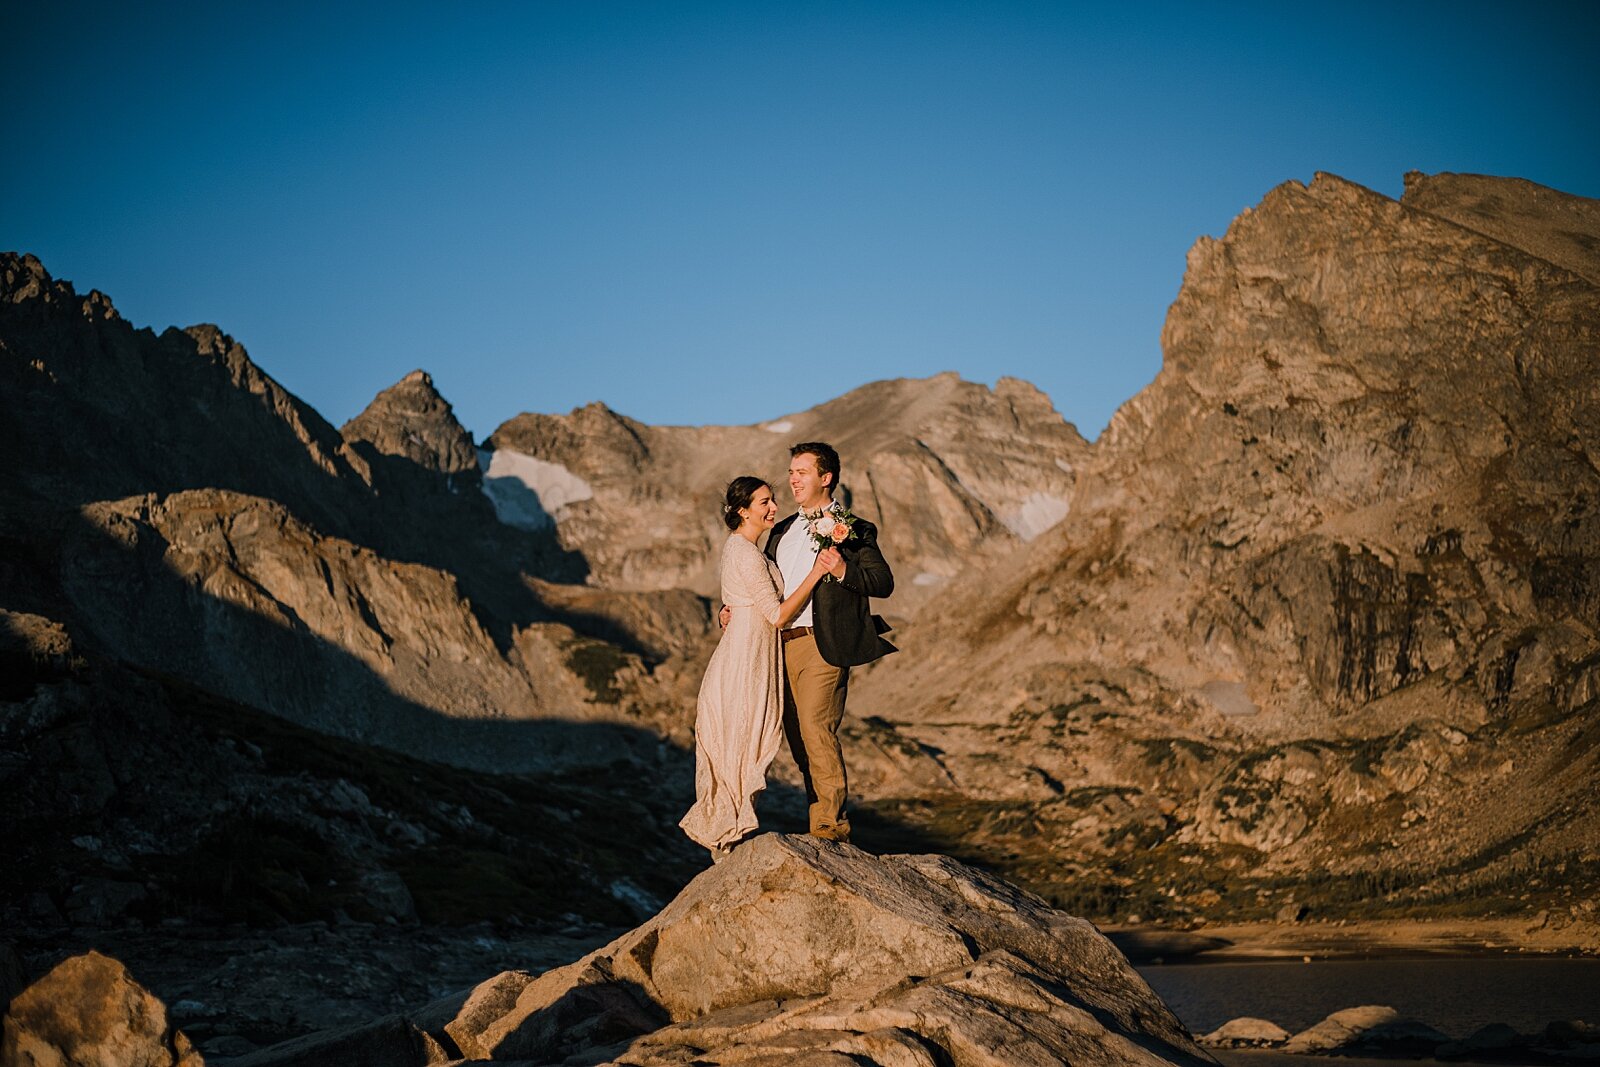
[{"x": 1454, "y": 994}]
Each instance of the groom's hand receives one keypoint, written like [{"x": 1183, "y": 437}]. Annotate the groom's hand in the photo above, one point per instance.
[
  {"x": 724, "y": 615},
  {"x": 833, "y": 561}
]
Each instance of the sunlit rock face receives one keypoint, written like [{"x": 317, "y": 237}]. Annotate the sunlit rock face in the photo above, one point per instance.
[
  {"x": 952, "y": 471},
  {"x": 88, "y": 1009},
  {"x": 822, "y": 954},
  {"x": 1321, "y": 579}
]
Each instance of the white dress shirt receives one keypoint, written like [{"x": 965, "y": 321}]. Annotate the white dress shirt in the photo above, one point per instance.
[{"x": 796, "y": 556}]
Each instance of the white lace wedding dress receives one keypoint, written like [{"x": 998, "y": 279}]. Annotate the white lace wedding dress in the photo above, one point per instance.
[{"x": 739, "y": 716}]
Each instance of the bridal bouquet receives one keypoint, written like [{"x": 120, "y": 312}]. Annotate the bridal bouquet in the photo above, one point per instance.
[{"x": 830, "y": 528}]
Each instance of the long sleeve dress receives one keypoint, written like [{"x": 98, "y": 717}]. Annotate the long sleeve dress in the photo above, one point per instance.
[{"x": 739, "y": 715}]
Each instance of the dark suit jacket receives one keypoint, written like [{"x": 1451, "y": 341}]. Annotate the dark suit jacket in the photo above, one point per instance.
[{"x": 847, "y": 633}]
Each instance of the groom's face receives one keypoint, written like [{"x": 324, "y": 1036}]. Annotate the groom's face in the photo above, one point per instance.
[{"x": 810, "y": 488}]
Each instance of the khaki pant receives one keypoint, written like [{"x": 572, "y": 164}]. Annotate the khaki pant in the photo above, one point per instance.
[{"x": 813, "y": 705}]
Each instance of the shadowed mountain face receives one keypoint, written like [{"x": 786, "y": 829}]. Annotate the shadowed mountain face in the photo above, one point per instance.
[
  {"x": 179, "y": 511},
  {"x": 1326, "y": 597},
  {"x": 97, "y": 410}
]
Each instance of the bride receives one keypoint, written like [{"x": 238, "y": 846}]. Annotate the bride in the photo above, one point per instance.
[{"x": 739, "y": 715}]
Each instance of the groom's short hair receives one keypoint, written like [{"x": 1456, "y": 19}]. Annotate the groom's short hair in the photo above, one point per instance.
[{"x": 827, "y": 458}]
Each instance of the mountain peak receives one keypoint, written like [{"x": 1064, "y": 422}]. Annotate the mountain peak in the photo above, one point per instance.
[
  {"x": 24, "y": 278},
  {"x": 411, "y": 419}
]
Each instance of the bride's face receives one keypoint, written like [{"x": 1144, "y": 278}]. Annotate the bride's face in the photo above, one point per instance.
[{"x": 763, "y": 510}]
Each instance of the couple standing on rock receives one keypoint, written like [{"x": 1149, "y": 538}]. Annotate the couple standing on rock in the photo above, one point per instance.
[{"x": 795, "y": 621}]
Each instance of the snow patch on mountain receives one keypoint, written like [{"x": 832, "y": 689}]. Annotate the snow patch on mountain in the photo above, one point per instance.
[
  {"x": 1038, "y": 513},
  {"x": 527, "y": 492}
]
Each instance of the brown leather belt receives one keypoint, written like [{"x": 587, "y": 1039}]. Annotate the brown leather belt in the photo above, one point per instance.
[{"x": 793, "y": 632}]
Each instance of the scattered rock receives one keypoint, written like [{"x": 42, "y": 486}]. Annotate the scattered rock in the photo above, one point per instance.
[
  {"x": 1496, "y": 1037},
  {"x": 385, "y": 892},
  {"x": 1246, "y": 1032},
  {"x": 228, "y": 1046},
  {"x": 98, "y": 901},
  {"x": 1568, "y": 1033},
  {"x": 1370, "y": 1027},
  {"x": 637, "y": 900},
  {"x": 88, "y": 1010}
]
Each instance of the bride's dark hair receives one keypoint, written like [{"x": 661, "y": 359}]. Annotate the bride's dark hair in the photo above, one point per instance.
[{"x": 740, "y": 492}]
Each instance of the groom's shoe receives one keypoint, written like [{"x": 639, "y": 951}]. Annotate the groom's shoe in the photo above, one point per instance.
[{"x": 836, "y": 832}]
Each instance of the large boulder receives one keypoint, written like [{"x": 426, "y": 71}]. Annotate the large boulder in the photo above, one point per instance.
[
  {"x": 89, "y": 1011},
  {"x": 1494, "y": 1041},
  {"x": 1245, "y": 1032},
  {"x": 820, "y": 953},
  {"x": 1371, "y": 1027}
]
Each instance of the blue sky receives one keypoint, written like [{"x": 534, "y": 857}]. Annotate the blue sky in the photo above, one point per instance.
[{"x": 727, "y": 212}]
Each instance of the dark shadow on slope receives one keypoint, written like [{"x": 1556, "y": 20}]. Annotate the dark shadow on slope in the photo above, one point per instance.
[
  {"x": 592, "y": 1015},
  {"x": 141, "y": 725}
]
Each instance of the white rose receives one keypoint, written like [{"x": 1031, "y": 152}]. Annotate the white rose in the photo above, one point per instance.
[{"x": 823, "y": 527}]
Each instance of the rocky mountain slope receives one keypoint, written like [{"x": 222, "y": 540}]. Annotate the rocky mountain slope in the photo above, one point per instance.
[
  {"x": 176, "y": 509},
  {"x": 1321, "y": 624},
  {"x": 955, "y": 468}
]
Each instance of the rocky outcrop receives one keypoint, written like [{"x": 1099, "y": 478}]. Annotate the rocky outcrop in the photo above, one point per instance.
[
  {"x": 1378, "y": 1030},
  {"x": 796, "y": 948},
  {"x": 1245, "y": 1032},
  {"x": 820, "y": 954},
  {"x": 89, "y": 1010},
  {"x": 1369, "y": 1028},
  {"x": 959, "y": 469}
]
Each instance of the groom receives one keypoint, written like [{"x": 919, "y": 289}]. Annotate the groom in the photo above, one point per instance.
[{"x": 834, "y": 633}]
